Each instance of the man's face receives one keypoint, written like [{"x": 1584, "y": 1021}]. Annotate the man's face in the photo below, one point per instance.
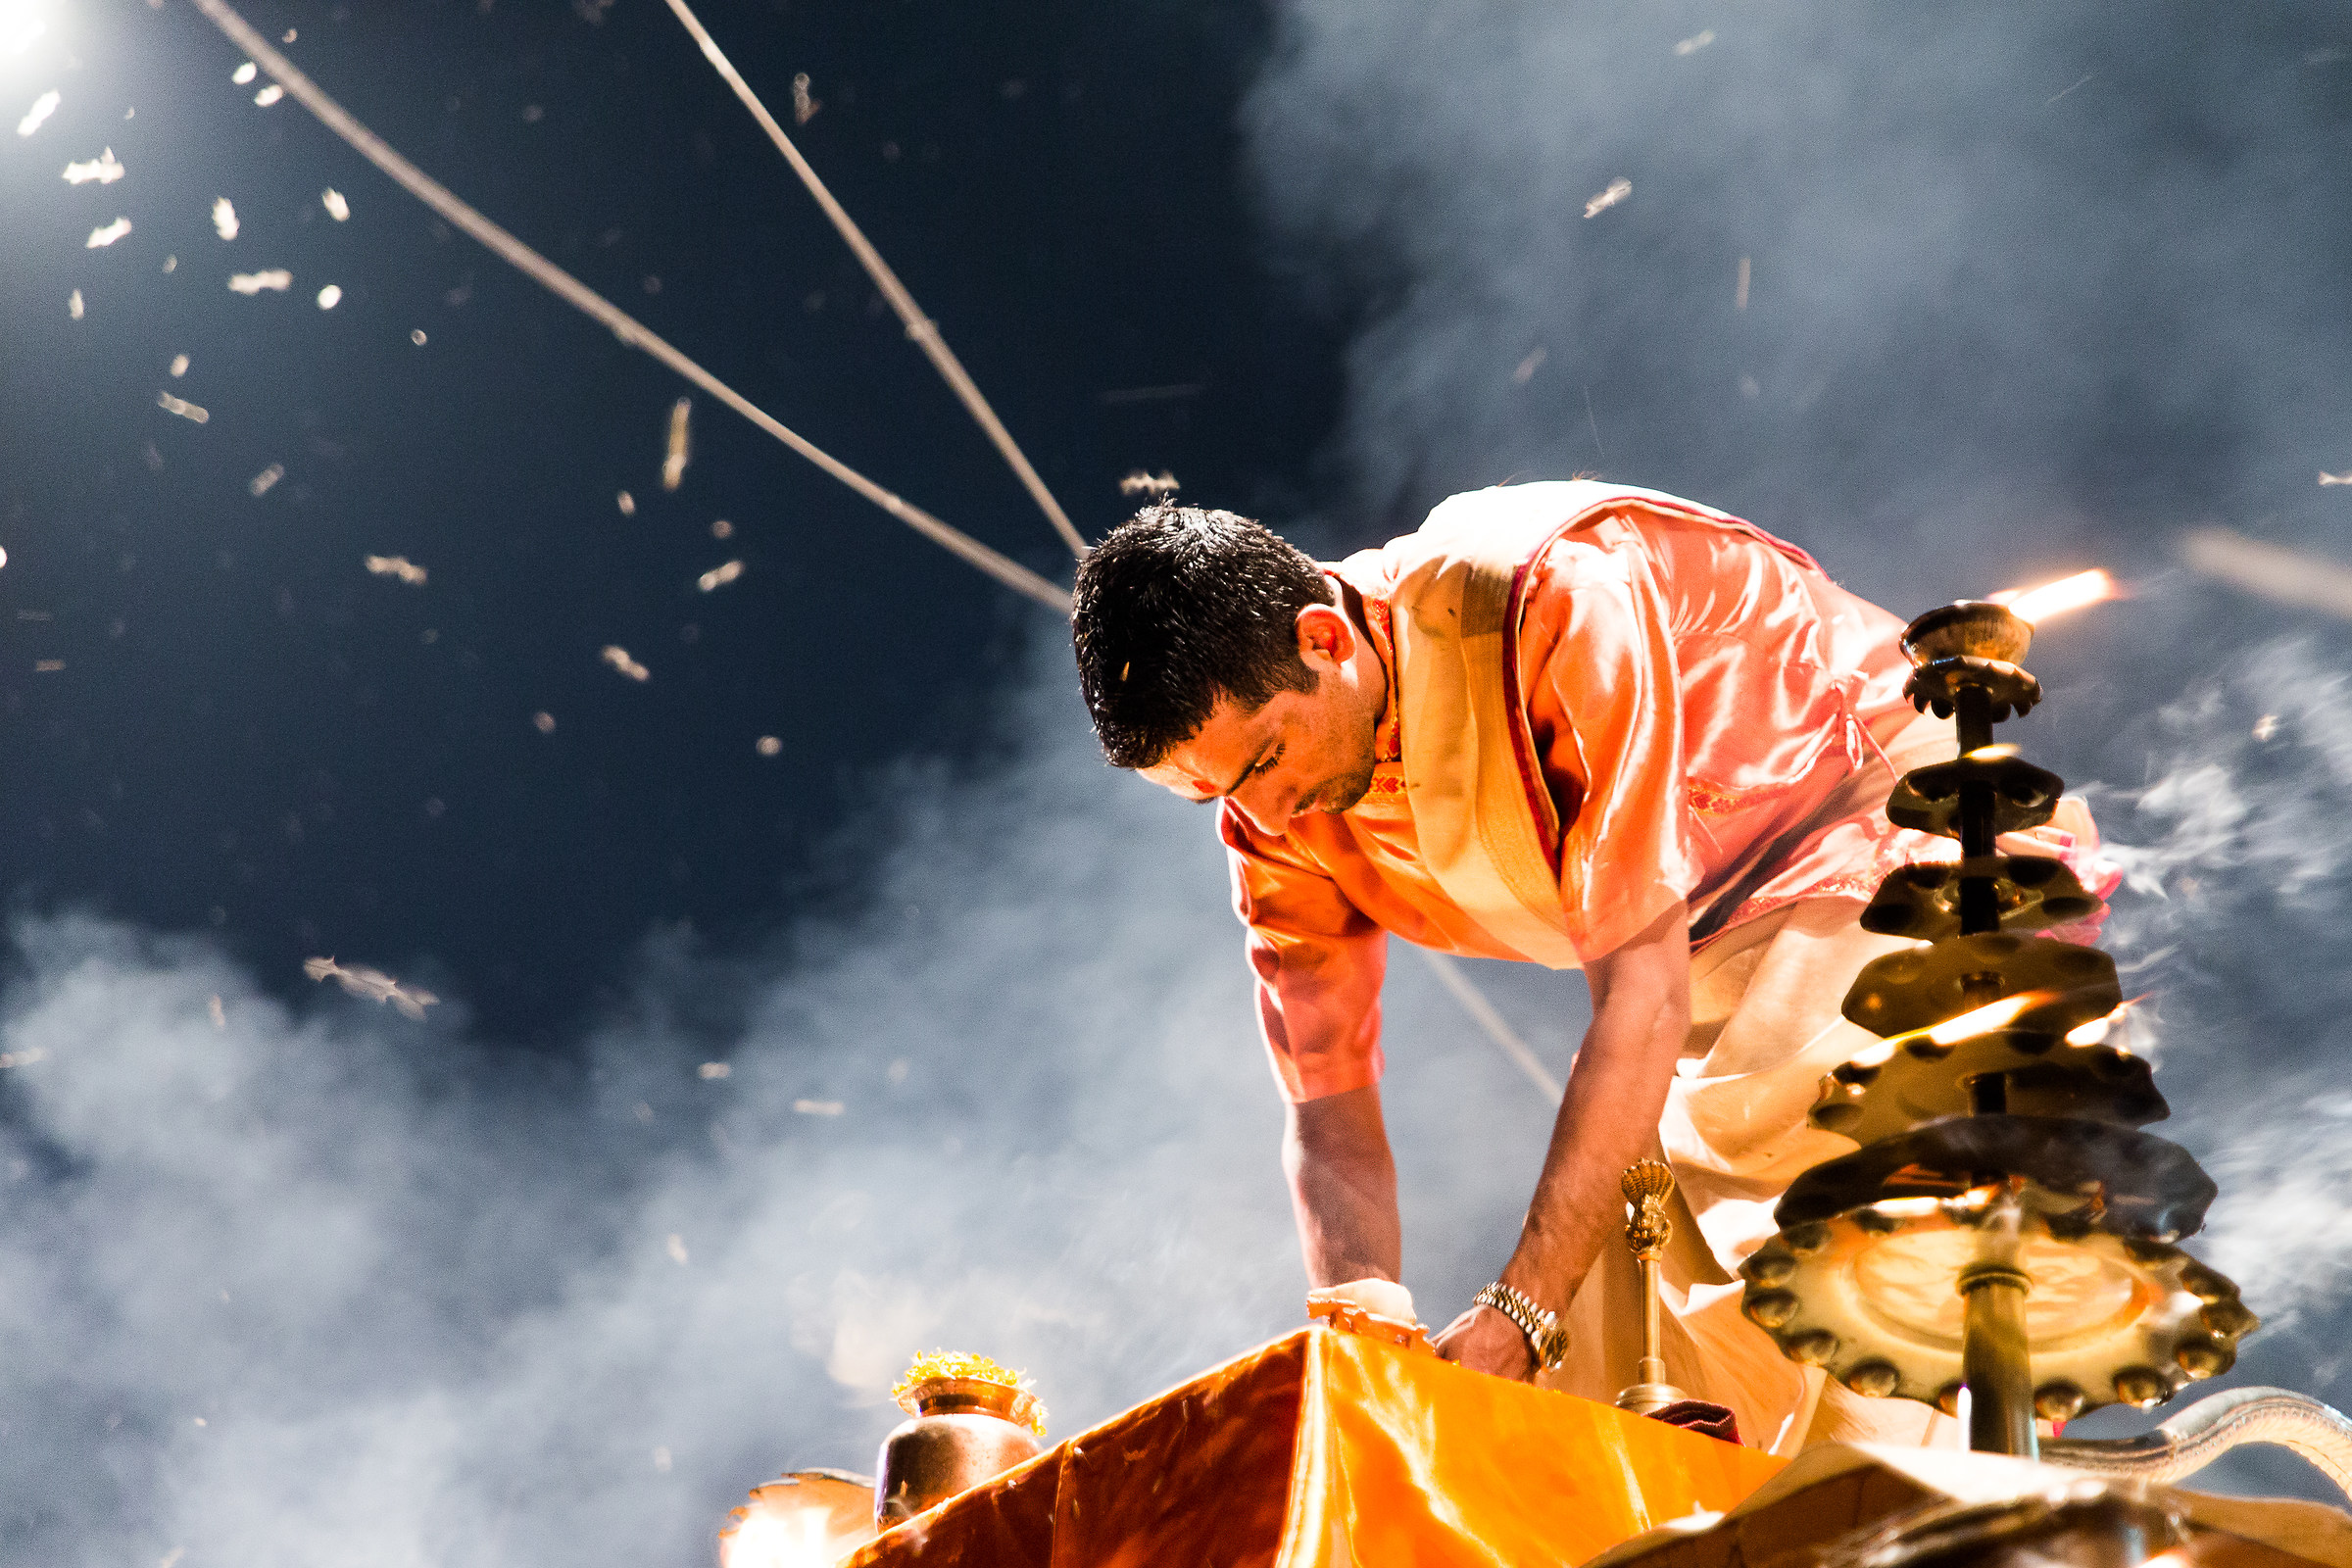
[{"x": 1303, "y": 752}]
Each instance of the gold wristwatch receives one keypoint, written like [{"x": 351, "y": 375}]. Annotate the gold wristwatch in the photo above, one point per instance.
[{"x": 1544, "y": 1336}]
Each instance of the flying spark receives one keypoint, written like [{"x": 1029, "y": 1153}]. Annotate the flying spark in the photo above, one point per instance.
[
  {"x": 673, "y": 464},
  {"x": 818, "y": 1108},
  {"x": 722, "y": 529},
  {"x": 768, "y": 746},
  {"x": 330, "y": 296},
  {"x": 269, "y": 96},
  {"x": 262, "y": 482},
  {"x": 277, "y": 279},
  {"x": 23, "y": 1058},
  {"x": 2334, "y": 478},
  {"x": 714, "y": 1070},
  {"x": 42, "y": 108},
  {"x": 1140, "y": 483},
  {"x": 1527, "y": 367},
  {"x": 804, "y": 107},
  {"x": 1618, "y": 190},
  {"x": 675, "y": 1246},
  {"x": 2037, "y": 604},
  {"x": 244, "y": 74},
  {"x": 220, "y": 1014},
  {"x": 1696, "y": 43},
  {"x": 224, "y": 217},
  {"x": 181, "y": 406},
  {"x": 618, "y": 658},
  {"x": 2272, "y": 571},
  {"x": 2266, "y": 726},
  {"x": 629, "y": 505},
  {"x": 73, "y": 304},
  {"x": 371, "y": 985},
  {"x": 407, "y": 571},
  {"x": 544, "y": 723},
  {"x": 719, "y": 576},
  {"x": 336, "y": 206},
  {"x": 100, "y": 238},
  {"x": 179, "y": 365},
  {"x": 103, "y": 168}
]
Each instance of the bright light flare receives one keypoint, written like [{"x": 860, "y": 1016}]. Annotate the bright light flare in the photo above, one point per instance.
[
  {"x": 2034, "y": 606},
  {"x": 798, "y": 1539}
]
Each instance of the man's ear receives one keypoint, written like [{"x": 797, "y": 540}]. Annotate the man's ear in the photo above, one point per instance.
[{"x": 1326, "y": 636}]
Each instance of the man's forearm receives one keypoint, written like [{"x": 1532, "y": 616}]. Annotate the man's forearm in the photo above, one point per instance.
[
  {"x": 1344, "y": 1189},
  {"x": 1609, "y": 1114}
]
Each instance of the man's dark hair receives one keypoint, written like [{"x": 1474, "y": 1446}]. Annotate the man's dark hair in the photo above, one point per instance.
[{"x": 1181, "y": 605}]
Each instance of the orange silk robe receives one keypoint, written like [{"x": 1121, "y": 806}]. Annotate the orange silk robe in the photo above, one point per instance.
[{"x": 1704, "y": 710}]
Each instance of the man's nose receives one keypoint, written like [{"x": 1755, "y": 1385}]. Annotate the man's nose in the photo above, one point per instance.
[{"x": 1268, "y": 811}]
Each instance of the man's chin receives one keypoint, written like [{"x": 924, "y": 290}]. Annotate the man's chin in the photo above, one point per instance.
[{"x": 1340, "y": 795}]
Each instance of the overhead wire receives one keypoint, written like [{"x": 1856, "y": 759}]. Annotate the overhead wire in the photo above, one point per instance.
[
  {"x": 627, "y": 328},
  {"x": 919, "y": 327},
  {"x": 925, "y": 333},
  {"x": 1463, "y": 990}
]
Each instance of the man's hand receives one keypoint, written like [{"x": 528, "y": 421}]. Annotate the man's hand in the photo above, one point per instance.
[{"x": 1485, "y": 1340}]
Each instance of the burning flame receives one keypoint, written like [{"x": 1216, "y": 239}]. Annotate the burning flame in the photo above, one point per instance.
[
  {"x": 2037, "y": 604},
  {"x": 1950, "y": 1032}
]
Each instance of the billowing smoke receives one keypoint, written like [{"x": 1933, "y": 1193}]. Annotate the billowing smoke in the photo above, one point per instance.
[{"x": 333, "y": 1286}]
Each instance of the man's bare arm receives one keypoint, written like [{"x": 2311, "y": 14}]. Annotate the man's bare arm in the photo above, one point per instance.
[
  {"x": 1616, "y": 1091},
  {"x": 1343, "y": 1188}
]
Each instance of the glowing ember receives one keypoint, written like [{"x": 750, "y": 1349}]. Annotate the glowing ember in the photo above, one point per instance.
[
  {"x": 42, "y": 108},
  {"x": 618, "y": 658},
  {"x": 276, "y": 280},
  {"x": 372, "y": 985},
  {"x": 179, "y": 365},
  {"x": 770, "y": 746},
  {"x": 269, "y": 95},
  {"x": 407, "y": 571},
  {"x": 1140, "y": 483},
  {"x": 103, "y": 168},
  {"x": 265, "y": 482},
  {"x": 330, "y": 296},
  {"x": 719, "y": 576},
  {"x": 673, "y": 463},
  {"x": 2037, "y": 604},
  {"x": 191, "y": 412},
  {"x": 629, "y": 505},
  {"x": 103, "y": 237},
  {"x": 1618, "y": 190},
  {"x": 245, "y": 73},
  {"x": 73, "y": 304},
  {"x": 336, "y": 206},
  {"x": 224, "y": 217}
]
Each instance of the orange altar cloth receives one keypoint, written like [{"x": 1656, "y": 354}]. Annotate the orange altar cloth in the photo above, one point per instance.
[{"x": 1325, "y": 1449}]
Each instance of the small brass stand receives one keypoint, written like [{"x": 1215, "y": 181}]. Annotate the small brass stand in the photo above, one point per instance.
[{"x": 1647, "y": 1184}]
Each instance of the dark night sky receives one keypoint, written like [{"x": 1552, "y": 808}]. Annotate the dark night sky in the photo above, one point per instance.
[
  {"x": 248, "y": 729},
  {"x": 754, "y": 1076}
]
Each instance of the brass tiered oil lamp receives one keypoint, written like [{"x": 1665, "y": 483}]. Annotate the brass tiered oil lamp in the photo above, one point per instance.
[{"x": 2007, "y": 1230}]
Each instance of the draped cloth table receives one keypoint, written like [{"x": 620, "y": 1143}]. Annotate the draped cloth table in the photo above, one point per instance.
[{"x": 1324, "y": 1450}]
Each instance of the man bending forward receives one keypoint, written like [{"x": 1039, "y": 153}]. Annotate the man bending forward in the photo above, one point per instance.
[{"x": 1573, "y": 724}]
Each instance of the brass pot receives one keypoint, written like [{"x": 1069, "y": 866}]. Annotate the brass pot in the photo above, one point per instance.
[{"x": 965, "y": 1430}]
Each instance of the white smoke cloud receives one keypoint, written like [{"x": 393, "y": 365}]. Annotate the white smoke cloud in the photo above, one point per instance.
[{"x": 328, "y": 1285}]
